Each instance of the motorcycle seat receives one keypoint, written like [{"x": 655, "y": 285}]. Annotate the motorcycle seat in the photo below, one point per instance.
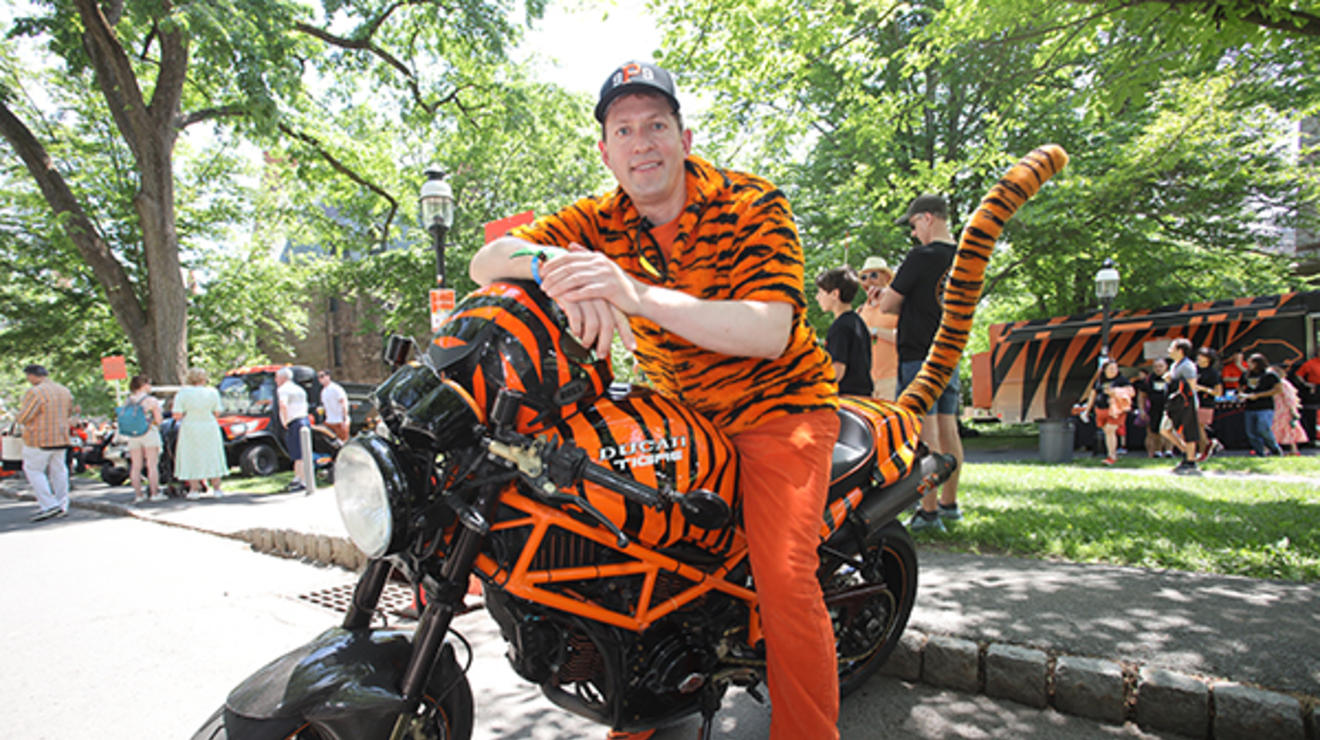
[{"x": 854, "y": 453}]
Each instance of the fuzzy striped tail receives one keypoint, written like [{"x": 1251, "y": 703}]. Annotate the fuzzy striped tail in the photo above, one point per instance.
[{"x": 968, "y": 274}]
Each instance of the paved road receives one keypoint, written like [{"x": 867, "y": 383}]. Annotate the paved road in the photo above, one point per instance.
[{"x": 120, "y": 628}]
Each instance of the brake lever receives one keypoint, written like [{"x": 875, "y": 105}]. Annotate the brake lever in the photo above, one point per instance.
[{"x": 546, "y": 473}]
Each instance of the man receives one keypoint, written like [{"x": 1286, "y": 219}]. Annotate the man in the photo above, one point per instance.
[
  {"x": 848, "y": 341},
  {"x": 335, "y": 402},
  {"x": 876, "y": 276},
  {"x": 916, "y": 296},
  {"x": 44, "y": 415},
  {"x": 293, "y": 417},
  {"x": 700, "y": 271}
]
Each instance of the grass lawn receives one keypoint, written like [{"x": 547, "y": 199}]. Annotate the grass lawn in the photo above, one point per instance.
[{"x": 1235, "y": 524}]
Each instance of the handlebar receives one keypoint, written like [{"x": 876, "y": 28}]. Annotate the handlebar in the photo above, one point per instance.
[{"x": 625, "y": 486}]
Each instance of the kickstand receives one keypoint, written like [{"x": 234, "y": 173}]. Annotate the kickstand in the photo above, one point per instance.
[{"x": 710, "y": 704}]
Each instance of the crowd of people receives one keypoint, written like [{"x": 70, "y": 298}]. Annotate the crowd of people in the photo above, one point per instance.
[
  {"x": 49, "y": 421},
  {"x": 1176, "y": 398},
  {"x": 878, "y": 349}
]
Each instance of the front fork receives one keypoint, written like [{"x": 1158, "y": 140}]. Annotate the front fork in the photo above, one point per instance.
[{"x": 429, "y": 637}]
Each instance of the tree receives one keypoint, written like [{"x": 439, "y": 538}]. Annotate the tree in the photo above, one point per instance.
[
  {"x": 883, "y": 100},
  {"x": 161, "y": 67}
]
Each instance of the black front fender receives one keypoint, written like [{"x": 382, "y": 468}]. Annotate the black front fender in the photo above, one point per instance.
[{"x": 345, "y": 682}]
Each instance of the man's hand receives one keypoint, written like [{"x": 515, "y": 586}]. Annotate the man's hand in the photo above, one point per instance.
[{"x": 596, "y": 294}]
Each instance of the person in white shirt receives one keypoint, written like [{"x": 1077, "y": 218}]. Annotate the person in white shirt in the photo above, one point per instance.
[
  {"x": 293, "y": 416},
  {"x": 335, "y": 402}
]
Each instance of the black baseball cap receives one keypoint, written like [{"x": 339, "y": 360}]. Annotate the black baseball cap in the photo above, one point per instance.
[
  {"x": 928, "y": 203},
  {"x": 635, "y": 77}
]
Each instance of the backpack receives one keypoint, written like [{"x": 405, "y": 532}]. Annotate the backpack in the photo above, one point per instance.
[{"x": 132, "y": 419}]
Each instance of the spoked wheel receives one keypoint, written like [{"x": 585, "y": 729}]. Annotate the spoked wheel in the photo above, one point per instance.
[{"x": 870, "y": 607}]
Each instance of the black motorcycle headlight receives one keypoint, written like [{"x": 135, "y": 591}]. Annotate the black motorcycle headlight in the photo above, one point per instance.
[{"x": 371, "y": 490}]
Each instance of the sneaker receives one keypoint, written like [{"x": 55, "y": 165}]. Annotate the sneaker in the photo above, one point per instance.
[
  {"x": 217, "y": 493},
  {"x": 1121, "y": 451},
  {"x": 1109, "y": 461},
  {"x": 158, "y": 496},
  {"x": 922, "y": 521},
  {"x": 949, "y": 513},
  {"x": 50, "y": 513},
  {"x": 139, "y": 498},
  {"x": 621, "y": 735},
  {"x": 1187, "y": 467},
  {"x": 296, "y": 486}
]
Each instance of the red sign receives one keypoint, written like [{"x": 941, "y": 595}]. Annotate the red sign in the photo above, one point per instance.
[
  {"x": 499, "y": 227},
  {"x": 442, "y": 302},
  {"x": 114, "y": 368}
]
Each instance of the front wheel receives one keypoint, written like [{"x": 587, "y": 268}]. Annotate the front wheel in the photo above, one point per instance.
[
  {"x": 259, "y": 461},
  {"x": 450, "y": 718},
  {"x": 870, "y": 607}
]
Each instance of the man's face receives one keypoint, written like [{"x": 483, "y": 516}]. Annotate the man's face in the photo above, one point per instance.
[
  {"x": 325, "y": 379},
  {"x": 644, "y": 148},
  {"x": 921, "y": 227},
  {"x": 33, "y": 379}
]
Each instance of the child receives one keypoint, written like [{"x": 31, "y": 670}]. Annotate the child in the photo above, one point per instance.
[
  {"x": 1287, "y": 426},
  {"x": 848, "y": 340}
]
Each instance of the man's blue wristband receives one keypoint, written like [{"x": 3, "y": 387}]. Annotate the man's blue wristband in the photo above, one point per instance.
[{"x": 536, "y": 268}]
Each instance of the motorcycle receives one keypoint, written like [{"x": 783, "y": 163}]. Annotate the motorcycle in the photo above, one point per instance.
[{"x": 602, "y": 522}]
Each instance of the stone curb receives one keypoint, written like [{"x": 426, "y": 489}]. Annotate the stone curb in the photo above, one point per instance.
[
  {"x": 1106, "y": 690},
  {"x": 1101, "y": 689}
]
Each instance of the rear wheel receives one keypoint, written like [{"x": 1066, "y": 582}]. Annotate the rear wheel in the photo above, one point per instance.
[
  {"x": 870, "y": 607},
  {"x": 259, "y": 461}
]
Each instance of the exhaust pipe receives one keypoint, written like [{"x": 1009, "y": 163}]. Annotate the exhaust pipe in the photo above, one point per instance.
[{"x": 880, "y": 507}]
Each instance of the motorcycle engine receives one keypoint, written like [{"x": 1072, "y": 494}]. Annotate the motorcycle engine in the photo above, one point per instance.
[{"x": 612, "y": 675}]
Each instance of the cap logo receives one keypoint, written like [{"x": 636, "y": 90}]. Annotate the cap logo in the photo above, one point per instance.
[{"x": 629, "y": 71}]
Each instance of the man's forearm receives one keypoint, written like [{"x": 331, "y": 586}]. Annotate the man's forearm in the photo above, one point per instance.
[
  {"x": 495, "y": 261},
  {"x": 734, "y": 328}
]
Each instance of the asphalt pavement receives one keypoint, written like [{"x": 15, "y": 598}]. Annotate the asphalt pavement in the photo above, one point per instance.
[
  {"x": 120, "y": 629},
  {"x": 1200, "y": 655}
]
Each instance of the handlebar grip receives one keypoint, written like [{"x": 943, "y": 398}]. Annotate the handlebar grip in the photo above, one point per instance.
[{"x": 629, "y": 488}]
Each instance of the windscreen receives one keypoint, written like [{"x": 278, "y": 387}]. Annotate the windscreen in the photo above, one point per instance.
[{"x": 248, "y": 395}]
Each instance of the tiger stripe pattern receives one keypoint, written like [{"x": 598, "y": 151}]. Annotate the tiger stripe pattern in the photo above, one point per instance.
[
  {"x": 967, "y": 276},
  {"x": 736, "y": 240}
]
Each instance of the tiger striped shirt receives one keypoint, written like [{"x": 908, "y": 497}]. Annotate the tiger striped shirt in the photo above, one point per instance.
[{"x": 735, "y": 240}]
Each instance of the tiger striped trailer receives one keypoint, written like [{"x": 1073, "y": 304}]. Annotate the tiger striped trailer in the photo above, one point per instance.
[{"x": 1038, "y": 369}]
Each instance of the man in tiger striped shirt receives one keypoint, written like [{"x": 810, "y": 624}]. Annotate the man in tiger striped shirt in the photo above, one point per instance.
[{"x": 700, "y": 272}]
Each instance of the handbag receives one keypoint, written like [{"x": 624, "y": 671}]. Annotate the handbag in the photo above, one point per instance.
[{"x": 13, "y": 446}]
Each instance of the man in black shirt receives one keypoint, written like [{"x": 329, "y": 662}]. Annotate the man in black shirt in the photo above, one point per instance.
[
  {"x": 848, "y": 340},
  {"x": 917, "y": 296}
]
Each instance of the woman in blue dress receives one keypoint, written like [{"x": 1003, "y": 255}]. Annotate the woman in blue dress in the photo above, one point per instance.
[{"x": 200, "y": 452}]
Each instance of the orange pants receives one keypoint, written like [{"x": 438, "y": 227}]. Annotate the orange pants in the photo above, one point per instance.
[{"x": 785, "y": 469}]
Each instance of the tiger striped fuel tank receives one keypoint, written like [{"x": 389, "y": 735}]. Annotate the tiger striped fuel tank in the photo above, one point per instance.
[{"x": 654, "y": 439}]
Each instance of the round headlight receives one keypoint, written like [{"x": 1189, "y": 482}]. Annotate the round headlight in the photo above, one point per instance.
[{"x": 367, "y": 483}]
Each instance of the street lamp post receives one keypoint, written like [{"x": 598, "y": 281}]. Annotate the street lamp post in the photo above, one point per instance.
[
  {"x": 437, "y": 208},
  {"x": 1106, "y": 287}
]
